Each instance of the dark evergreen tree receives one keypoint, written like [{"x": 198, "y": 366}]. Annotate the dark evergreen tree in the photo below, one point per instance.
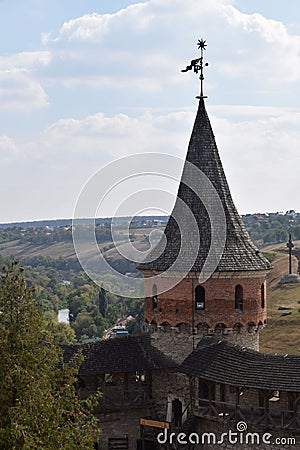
[{"x": 102, "y": 302}]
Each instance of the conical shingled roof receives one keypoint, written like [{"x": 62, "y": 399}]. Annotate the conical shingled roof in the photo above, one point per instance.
[{"x": 240, "y": 254}]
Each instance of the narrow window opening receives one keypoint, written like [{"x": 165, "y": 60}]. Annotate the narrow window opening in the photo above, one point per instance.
[
  {"x": 154, "y": 297},
  {"x": 238, "y": 302},
  {"x": 262, "y": 295},
  {"x": 199, "y": 298}
]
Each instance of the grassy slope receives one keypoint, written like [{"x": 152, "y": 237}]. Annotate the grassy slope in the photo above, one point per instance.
[
  {"x": 63, "y": 249},
  {"x": 282, "y": 334},
  {"x": 25, "y": 250}
]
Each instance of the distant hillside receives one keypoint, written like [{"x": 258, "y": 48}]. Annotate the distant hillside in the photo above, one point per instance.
[
  {"x": 53, "y": 238},
  {"x": 56, "y": 223},
  {"x": 38, "y": 223},
  {"x": 264, "y": 228},
  {"x": 272, "y": 228},
  {"x": 22, "y": 250}
]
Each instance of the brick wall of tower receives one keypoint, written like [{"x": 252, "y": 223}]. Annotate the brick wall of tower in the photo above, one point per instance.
[
  {"x": 172, "y": 319},
  {"x": 176, "y": 306}
]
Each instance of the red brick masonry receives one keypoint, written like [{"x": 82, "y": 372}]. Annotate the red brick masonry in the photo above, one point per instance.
[{"x": 177, "y": 306}]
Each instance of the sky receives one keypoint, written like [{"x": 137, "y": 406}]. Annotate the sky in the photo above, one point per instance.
[{"x": 85, "y": 82}]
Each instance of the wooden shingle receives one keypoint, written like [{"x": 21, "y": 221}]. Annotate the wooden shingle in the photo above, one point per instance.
[
  {"x": 237, "y": 366},
  {"x": 239, "y": 254},
  {"x": 119, "y": 355}
]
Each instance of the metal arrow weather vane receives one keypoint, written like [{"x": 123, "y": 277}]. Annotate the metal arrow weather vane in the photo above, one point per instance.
[{"x": 197, "y": 65}]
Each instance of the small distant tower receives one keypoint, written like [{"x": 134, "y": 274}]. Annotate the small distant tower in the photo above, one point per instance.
[{"x": 232, "y": 302}]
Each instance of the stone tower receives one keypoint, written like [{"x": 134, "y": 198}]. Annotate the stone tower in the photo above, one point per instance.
[{"x": 231, "y": 303}]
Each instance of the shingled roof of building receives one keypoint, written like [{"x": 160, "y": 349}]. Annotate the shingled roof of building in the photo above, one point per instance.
[
  {"x": 239, "y": 254},
  {"x": 237, "y": 366},
  {"x": 118, "y": 355}
]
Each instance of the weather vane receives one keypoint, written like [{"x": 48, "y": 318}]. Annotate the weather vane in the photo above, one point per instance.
[{"x": 198, "y": 65}]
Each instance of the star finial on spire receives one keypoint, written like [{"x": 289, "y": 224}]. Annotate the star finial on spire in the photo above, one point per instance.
[
  {"x": 198, "y": 65},
  {"x": 202, "y": 44}
]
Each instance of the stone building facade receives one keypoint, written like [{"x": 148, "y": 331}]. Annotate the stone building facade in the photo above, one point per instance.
[{"x": 135, "y": 380}]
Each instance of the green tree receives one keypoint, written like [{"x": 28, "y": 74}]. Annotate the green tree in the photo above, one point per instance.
[
  {"x": 62, "y": 332},
  {"x": 85, "y": 326},
  {"x": 39, "y": 408},
  {"x": 102, "y": 302}
]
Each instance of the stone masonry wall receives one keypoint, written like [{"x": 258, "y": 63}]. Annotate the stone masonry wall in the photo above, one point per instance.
[
  {"x": 168, "y": 386},
  {"x": 119, "y": 424},
  {"x": 178, "y": 343}
]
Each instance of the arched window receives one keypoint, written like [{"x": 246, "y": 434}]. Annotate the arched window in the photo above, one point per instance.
[
  {"x": 154, "y": 296},
  {"x": 199, "y": 298},
  {"x": 262, "y": 295},
  {"x": 238, "y": 299}
]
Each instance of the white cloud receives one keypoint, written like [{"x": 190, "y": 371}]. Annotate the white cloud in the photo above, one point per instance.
[
  {"x": 24, "y": 60},
  {"x": 98, "y": 138},
  {"x": 90, "y": 27},
  {"x": 143, "y": 47},
  {"x": 260, "y": 157},
  {"x": 131, "y": 61},
  {"x": 70, "y": 150},
  {"x": 8, "y": 149},
  {"x": 19, "y": 88},
  {"x": 153, "y": 40},
  {"x": 93, "y": 27},
  {"x": 265, "y": 48},
  {"x": 60, "y": 162},
  {"x": 20, "y": 91}
]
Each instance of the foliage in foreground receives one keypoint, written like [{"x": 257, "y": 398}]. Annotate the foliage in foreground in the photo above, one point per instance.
[{"x": 39, "y": 408}]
